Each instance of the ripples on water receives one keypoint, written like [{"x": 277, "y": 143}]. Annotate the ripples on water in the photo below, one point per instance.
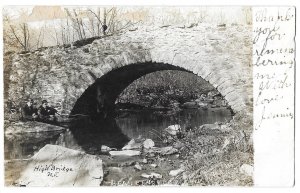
[{"x": 89, "y": 135}]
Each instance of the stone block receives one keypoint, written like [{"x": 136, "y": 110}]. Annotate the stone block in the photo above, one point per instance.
[{"x": 56, "y": 166}]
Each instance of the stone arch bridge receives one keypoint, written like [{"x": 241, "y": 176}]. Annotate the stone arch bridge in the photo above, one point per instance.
[{"x": 99, "y": 71}]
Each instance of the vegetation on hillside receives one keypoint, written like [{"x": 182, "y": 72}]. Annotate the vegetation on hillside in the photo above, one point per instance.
[{"x": 163, "y": 88}]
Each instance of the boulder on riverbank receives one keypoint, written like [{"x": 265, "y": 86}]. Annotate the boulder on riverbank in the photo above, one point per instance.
[
  {"x": 132, "y": 144},
  {"x": 135, "y": 144},
  {"x": 59, "y": 166},
  {"x": 148, "y": 143},
  {"x": 34, "y": 132},
  {"x": 173, "y": 129},
  {"x": 30, "y": 127}
]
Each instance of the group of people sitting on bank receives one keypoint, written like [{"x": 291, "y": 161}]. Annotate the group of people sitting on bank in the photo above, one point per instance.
[{"x": 43, "y": 113}]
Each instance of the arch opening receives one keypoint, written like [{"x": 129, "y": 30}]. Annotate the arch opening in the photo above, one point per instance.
[
  {"x": 99, "y": 99},
  {"x": 104, "y": 123}
]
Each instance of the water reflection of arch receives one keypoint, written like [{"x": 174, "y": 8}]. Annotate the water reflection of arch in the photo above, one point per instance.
[{"x": 91, "y": 133}]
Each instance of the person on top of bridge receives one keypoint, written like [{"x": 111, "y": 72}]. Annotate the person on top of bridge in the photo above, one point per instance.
[
  {"x": 29, "y": 112},
  {"x": 46, "y": 113}
]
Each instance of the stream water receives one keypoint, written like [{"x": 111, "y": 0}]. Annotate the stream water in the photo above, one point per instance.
[{"x": 89, "y": 135}]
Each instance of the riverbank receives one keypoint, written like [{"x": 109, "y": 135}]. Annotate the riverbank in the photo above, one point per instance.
[
  {"x": 166, "y": 97},
  {"x": 213, "y": 154}
]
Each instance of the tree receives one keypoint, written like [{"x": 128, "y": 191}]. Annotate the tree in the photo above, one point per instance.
[
  {"x": 109, "y": 21},
  {"x": 94, "y": 22},
  {"x": 77, "y": 22},
  {"x": 26, "y": 37},
  {"x": 8, "y": 38},
  {"x": 19, "y": 36}
]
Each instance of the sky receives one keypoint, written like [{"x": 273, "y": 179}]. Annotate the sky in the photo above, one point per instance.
[{"x": 229, "y": 14}]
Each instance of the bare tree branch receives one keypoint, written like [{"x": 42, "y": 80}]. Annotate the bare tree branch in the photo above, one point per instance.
[
  {"x": 96, "y": 15},
  {"x": 39, "y": 38},
  {"x": 17, "y": 38}
]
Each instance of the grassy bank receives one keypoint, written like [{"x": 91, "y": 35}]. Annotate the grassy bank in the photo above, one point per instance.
[{"x": 213, "y": 155}]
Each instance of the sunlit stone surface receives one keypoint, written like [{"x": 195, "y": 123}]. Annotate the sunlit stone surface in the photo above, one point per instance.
[{"x": 58, "y": 166}]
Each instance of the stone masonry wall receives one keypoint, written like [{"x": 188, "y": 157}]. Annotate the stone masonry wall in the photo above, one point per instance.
[{"x": 220, "y": 55}]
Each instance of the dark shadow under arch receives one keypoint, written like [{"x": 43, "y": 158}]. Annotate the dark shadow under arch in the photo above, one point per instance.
[{"x": 100, "y": 97}]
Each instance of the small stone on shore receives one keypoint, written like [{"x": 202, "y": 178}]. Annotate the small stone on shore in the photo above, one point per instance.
[
  {"x": 176, "y": 172},
  {"x": 152, "y": 175},
  {"x": 125, "y": 153},
  {"x": 148, "y": 143}
]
